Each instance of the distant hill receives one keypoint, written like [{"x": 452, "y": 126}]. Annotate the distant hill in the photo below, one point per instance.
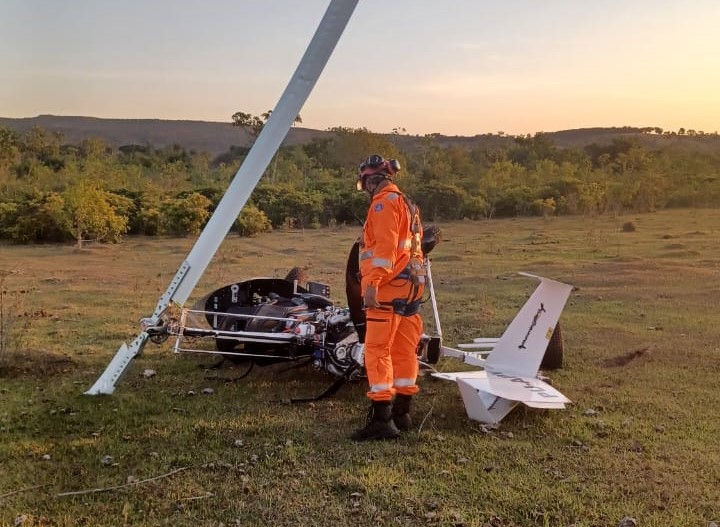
[
  {"x": 201, "y": 136},
  {"x": 216, "y": 138}
]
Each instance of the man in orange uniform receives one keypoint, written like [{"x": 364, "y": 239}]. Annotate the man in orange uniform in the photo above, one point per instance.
[{"x": 392, "y": 282}]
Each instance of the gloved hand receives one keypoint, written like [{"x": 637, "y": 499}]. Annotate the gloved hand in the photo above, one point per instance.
[{"x": 370, "y": 297}]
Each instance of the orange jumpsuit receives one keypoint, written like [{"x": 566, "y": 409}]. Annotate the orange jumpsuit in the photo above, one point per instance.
[{"x": 392, "y": 336}]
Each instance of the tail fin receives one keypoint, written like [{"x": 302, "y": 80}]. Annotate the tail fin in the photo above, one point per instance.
[{"x": 521, "y": 348}]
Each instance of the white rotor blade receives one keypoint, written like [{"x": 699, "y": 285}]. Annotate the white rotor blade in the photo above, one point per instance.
[{"x": 288, "y": 107}]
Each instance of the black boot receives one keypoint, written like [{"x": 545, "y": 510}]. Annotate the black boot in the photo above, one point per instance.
[
  {"x": 379, "y": 425},
  {"x": 401, "y": 412}
]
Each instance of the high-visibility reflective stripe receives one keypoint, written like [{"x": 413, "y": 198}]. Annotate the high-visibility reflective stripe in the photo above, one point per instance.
[
  {"x": 379, "y": 387},
  {"x": 403, "y": 383},
  {"x": 381, "y": 262},
  {"x": 366, "y": 254},
  {"x": 405, "y": 244},
  {"x": 392, "y": 196}
]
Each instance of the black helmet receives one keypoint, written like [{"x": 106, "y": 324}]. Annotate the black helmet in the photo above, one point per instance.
[{"x": 377, "y": 164}]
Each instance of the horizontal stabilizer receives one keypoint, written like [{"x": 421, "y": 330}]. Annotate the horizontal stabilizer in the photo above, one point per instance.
[
  {"x": 549, "y": 406},
  {"x": 467, "y": 375},
  {"x": 522, "y": 389},
  {"x": 486, "y": 340},
  {"x": 477, "y": 346}
]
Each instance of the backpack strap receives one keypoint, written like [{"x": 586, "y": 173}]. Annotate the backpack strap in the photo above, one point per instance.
[
  {"x": 415, "y": 228},
  {"x": 415, "y": 269}
]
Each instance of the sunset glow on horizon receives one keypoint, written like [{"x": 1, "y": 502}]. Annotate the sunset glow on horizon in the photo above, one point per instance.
[{"x": 456, "y": 68}]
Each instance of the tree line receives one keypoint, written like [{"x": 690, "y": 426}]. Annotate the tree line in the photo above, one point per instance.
[{"x": 51, "y": 191}]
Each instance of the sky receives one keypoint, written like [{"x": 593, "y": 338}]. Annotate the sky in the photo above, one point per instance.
[{"x": 455, "y": 67}]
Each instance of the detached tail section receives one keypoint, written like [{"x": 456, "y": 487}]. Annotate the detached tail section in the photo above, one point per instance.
[{"x": 510, "y": 372}]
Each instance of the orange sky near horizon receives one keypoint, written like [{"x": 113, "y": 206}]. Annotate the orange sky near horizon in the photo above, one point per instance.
[{"x": 456, "y": 68}]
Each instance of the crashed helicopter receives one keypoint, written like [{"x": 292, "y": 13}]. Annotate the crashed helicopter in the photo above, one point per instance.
[
  {"x": 265, "y": 320},
  {"x": 269, "y": 320}
]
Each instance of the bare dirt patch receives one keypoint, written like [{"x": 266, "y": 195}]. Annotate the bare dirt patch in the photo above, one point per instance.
[{"x": 626, "y": 358}]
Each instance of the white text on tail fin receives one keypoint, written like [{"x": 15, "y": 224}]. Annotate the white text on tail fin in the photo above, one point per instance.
[{"x": 521, "y": 348}]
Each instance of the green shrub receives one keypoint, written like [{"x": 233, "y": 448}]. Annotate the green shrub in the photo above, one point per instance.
[{"x": 252, "y": 221}]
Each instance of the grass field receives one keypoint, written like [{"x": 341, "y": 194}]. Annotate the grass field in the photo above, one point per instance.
[{"x": 642, "y": 358}]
